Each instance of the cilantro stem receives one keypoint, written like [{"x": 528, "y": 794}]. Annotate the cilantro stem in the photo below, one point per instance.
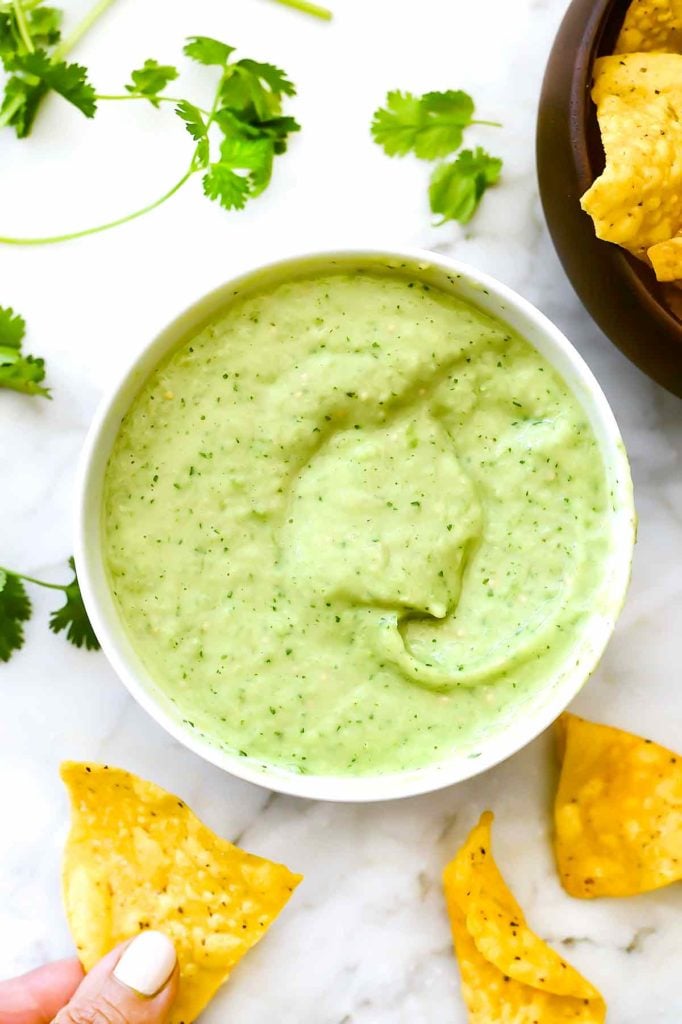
[
  {"x": 32, "y": 579},
  {"x": 308, "y": 8},
  {"x": 22, "y": 26},
  {"x": 71, "y": 236},
  {"x": 210, "y": 118},
  {"x": 491, "y": 124},
  {"x": 83, "y": 26},
  {"x": 143, "y": 96}
]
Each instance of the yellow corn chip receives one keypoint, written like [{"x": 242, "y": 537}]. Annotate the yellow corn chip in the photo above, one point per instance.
[
  {"x": 508, "y": 973},
  {"x": 666, "y": 259},
  {"x": 637, "y": 200},
  {"x": 618, "y": 811},
  {"x": 651, "y": 25},
  {"x": 138, "y": 858}
]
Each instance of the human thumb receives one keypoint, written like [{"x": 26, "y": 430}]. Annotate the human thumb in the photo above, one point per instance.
[{"x": 134, "y": 984}]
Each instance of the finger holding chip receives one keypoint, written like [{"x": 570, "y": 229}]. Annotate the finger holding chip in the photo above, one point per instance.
[
  {"x": 137, "y": 858},
  {"x": 618, "y": 811},
  {"x": 508, "y": 972}
]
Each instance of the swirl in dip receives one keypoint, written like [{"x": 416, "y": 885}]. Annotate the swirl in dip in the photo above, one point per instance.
[{"x": 354, "y": 524}]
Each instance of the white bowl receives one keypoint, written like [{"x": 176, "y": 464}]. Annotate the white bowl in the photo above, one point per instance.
[{"x": 543, "y": 708}]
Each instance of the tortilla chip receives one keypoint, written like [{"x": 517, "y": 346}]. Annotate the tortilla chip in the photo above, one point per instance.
[
  {"x": 508, "y": 973},
  {"x": 651, "y": 25},
  {"x": 637, "y": 200},
  {"x": 666, "y": 259},
  {"x": 138, "y": 858},
  {"x": 618, "y": 811}
]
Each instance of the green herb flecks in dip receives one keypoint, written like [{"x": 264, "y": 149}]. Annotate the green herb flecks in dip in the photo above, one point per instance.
[{"x": 353, "y": 525}]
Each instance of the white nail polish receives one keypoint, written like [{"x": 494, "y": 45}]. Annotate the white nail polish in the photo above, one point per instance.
[{"x": 147, "y": 963}]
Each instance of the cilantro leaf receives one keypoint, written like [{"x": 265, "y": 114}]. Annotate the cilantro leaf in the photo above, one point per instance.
[
  {"x": 151, "y": 79},
  {"x": 193, "y": 119},
  {"x": 44, "y": 25},
  {"x": 22, "y": 373},
  {"x": 431, "y": 126},
  {"x": 197, "y": 128},
  {"x": 12, "y": 328},
  {"x": 278, "y": 129},
  {"x": 208, "y": 51},
  {"x": 230, "y": 189},
  {"x": 73, "y": 617},
  {"x": 17, "y": 371},
  {"x": 253, "y": 156},
  {"x": 20, "y": 104},
  {"x": 236, "y": 122},
  {"x": 69, "y": 80},
  {"x": 456, "y": 188},
  {"x": 15, "y": 609},
  {"x": 9, "y": 39},
  {"x": 255, "y": 89},
  {"x": 245, "y": 154},
  {"x": 243, "y": 92},
  {"x": 395, "y": 126},
  {"x": 275, "y": 79},
  {"x": 233, "y": 122}
]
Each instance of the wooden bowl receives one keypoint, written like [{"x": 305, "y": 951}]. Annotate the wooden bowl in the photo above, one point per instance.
[{"x": 620, "y": 292}]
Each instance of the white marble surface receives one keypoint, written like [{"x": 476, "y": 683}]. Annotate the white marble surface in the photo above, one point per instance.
[{"x": 365, "y": 941}]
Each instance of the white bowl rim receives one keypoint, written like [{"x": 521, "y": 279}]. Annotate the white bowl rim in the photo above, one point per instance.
[{"x": 359, "y": 788}]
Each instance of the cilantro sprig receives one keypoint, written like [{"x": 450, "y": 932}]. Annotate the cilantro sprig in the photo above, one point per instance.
[
  {"x": 15, "y": 610},
  {"x": 432, "y": 127},
  {"x": 235, "y": 141},
  {"x": 32, "y": 53},
  {"x": 19, "y": 372}
]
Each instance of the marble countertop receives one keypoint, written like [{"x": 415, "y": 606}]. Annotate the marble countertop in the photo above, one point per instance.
[{"x": 366, "y": 940}]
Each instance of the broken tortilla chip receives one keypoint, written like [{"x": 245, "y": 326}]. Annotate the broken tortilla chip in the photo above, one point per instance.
[
  {"x": 651, "y": 25},
  {"x": 637, "y": 201},
  {"x": 138, "y": 858},
  {"x": 508, "y": 973},
  {"x": 618, "y": 811},
  {"x": 666, "y": 259}
]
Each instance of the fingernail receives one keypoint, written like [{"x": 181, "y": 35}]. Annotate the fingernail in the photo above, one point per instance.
[{"x": 147, "y": 963}]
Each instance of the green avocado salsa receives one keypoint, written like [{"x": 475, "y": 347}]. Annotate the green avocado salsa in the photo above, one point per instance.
[{"x": 354, "y": 524}]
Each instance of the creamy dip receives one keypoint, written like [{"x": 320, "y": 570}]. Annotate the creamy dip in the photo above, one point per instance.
[{"x": 354, "y": 524}]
